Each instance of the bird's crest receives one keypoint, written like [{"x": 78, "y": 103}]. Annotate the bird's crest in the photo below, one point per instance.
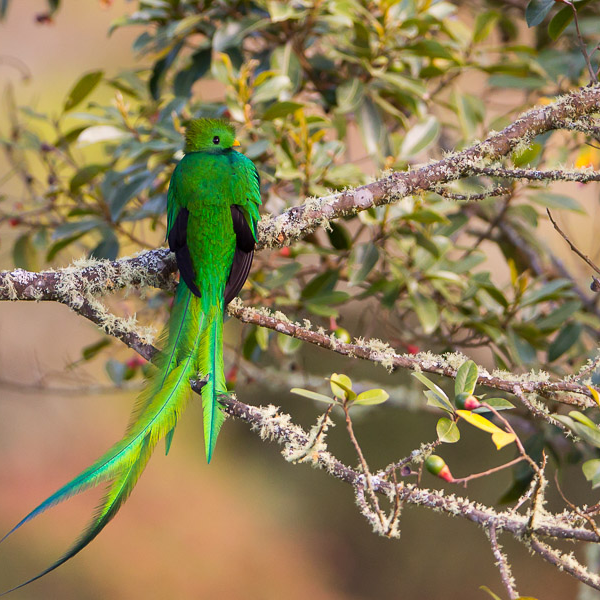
[{"x": 209, "y": 135}]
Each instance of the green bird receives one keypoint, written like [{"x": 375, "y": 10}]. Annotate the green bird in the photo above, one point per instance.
[{"x": 212, "y": 216}]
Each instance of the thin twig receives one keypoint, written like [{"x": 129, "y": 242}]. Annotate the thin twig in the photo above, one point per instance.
[
  {"x": 571, "y": 244},
  {"x": 465, "y": 480}
]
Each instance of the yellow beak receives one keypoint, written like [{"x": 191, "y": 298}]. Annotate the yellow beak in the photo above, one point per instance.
[{"x": 236, "y": 143}]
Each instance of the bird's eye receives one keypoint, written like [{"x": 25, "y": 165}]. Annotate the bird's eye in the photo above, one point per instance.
[{"x": 216, "y": 140}]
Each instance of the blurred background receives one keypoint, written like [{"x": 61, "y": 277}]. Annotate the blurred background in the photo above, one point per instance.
[{"x": 250, "y": 526}]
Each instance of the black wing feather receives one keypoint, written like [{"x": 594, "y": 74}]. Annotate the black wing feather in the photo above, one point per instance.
[
  {"x": 242, "y": 258},
  {"x": 178, "y": 244}
]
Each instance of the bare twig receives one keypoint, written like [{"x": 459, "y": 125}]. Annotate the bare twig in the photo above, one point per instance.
[{"x": 573, "y": 247}]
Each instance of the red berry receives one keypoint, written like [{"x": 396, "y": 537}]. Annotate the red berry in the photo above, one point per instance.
[{"x": 412, "y": 349}]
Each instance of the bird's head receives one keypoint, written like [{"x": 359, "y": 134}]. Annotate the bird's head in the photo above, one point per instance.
[{"x": 209, "y": 135}]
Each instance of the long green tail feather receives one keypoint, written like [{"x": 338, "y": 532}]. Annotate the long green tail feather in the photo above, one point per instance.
[
  {"x": 155, "y": 416},
  {"x": 210, "y": 362}
]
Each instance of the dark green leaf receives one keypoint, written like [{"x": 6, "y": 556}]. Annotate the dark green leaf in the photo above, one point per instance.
[
  {"x": 549, "y": 291},
  {"x": 567, "y": 336},
  {"x": 67, "y": 230},
  {"x": 185, "y": 79},
  {"x": 366, "y": 258},
  {"x": 325, "y": 282},
  {"x": 93, "y": 349},
  {"x": 537, "y": 10},
  {"x": 108, "y": 247},
  {"x": 85, "y": 175},
  {"x": 82, "y": 89},
  {"x": 339, "y": 236},
  {"x": 160, "y": 70},
  {"x": 63, "y": 243}
]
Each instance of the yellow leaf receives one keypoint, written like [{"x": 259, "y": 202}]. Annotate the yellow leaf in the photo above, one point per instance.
[
  {"x": 500, "y": 437},
  {"x": 595, "y": 394},
  {"x": 503, "y": 438}
]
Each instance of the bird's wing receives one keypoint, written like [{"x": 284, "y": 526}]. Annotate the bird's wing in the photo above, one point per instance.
[
  {"x": 178, "y": 244},
  {"x": 242, "y": 257}
]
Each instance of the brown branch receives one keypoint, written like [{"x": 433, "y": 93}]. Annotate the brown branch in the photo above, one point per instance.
[
  {"x": 381, "y": 353},
  {"x": 302, "y": 220}
]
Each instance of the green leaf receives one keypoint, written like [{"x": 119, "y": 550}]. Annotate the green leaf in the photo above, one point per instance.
[
  {"x": 419, "y": 137},
  {"x": 537, "y": 10},
  {"x": 272, "y": 88},
  {"x": 366, "y": 258},
  {"x": 262, "y": 338},
  {"x": 278, "y": 110},
  {"x": 108, "y": 247},
  {"x": 312, "y": 395},
  {"x": 447, "y": 431},
  {"x": 437, "y": 401},
  {"x": 287, "y": 344},
  {"x": 349, "y": 95},
  {"x": 82, "y": 89},
  {"x": 591, "y": 471},
  {"x": 160, "y": 70},
  {"x": 371, "y": 397},
  {"x": 549, "y": 200},
  {"x": 484, "y": 24},
  {"x": 372, "y": 128},
  {"x": 85, "y": 175},
  {"x": 560, "y": 21},
  {"x": 63, "y": 243},
  {"x": 284, "y": 60},
  {"x": 199, "y": 66},
  {"x": 567, "y": 336},
  {"x": 67, "y": 230},
  {"x": 437, "y": 391},
  {"x": 466, "y": 378},
  {"x": 497, "y": 403},
  {"x": 585, "y": 432},
  {"x": 341, "y": 386},
  {"x": 549, "y": 291},
  {"x": 92, "y": 350},
  {"x": 427, "y": 311},
  {"x": 558, "y": 317},
  {"x": 339, "y": 236},
  {"x": 24, "y": 253}
]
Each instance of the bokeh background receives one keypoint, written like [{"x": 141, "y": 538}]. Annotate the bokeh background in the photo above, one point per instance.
[{"x": 250, "y": 525}]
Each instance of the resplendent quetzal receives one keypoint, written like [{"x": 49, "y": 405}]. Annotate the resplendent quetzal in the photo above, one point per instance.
[{"x": 212, "y": 207}]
